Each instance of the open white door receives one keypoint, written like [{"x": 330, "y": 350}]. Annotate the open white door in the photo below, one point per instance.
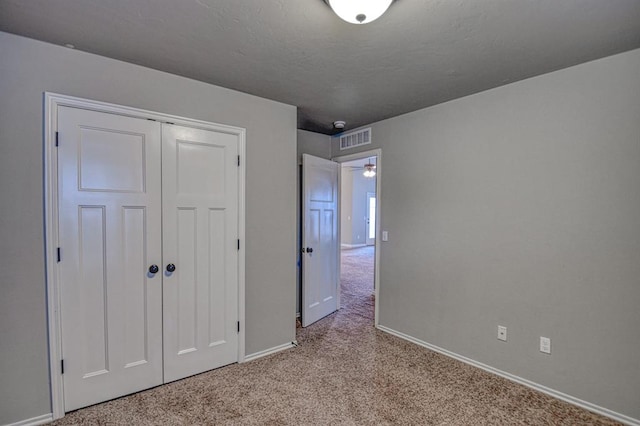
[{"x": 320, "y": 240}]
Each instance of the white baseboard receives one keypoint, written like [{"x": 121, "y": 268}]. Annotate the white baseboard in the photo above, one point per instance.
[
  {"x": 40, "y": 420},
  {"x": 270, "y": 351},
  {"x": 552, "y": 392},
  {"x": 351, "y": 246}
]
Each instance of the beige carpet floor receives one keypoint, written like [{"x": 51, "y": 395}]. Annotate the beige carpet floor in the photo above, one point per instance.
[{"x": 344, "y": 372}]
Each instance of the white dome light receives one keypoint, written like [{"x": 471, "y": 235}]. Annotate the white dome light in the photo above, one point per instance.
[{"x": 359, "y": 11}]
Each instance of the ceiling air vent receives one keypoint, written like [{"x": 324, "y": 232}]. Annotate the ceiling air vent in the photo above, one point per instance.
[{"x": 351, "y": 140}]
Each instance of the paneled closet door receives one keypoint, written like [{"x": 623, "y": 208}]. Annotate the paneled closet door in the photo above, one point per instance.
[
  {"x": 109, "y": 235},
  {"x": 200, "y": 231}
]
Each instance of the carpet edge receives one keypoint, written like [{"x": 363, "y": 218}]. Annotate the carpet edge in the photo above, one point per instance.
[{"x": 622, "y": 418}]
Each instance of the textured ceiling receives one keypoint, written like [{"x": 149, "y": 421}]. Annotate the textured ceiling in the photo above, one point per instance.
[{"x": 420, "y": 53}]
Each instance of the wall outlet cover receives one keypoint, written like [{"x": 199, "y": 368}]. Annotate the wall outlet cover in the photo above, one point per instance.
[{"x": 502, "y": 333}]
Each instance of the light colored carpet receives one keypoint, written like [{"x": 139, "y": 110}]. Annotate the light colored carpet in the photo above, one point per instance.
[{"x": 344, "y": 372}]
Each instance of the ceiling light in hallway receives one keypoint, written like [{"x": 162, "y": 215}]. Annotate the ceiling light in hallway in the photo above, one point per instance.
[{"x": 369, "y": 169}]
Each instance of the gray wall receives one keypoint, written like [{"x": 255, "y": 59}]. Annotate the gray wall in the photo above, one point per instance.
[
  {"x": 28, "y": 68},
  {"x": 313, "y": 144},
  {"x": 354, "y": 205},
  {"x": 520, "y": 206}
]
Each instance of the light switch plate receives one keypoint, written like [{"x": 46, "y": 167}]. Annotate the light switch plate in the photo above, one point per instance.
[
  {"x": 385, "y": 236},
  {"x": 545, "y": 345}
]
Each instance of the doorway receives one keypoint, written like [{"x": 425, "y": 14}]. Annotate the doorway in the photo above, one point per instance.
[
  {"x": 359, "y": 231},
  {"x": 308, "y": 252}
]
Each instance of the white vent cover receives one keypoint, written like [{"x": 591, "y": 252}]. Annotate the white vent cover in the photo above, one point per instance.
[{"x": 351, "y": 140}]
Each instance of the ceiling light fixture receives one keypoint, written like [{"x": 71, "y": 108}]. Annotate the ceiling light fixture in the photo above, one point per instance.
[
  {"x": 369, "y": 169},
  {"x": 359, "y": 11}
]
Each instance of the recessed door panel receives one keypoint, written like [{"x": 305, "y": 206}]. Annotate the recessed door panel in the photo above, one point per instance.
[
  {"x": 328, "y": 229},
  {"x": 93, "y": 289},
  {"x": 134, "y": 255},
  {"x": 111, "y": 160},
  {"x": 217, "y": 309},
  {"x": 186, "y": 280},
  {"x": 201, "y": 168},
  {"x": 109, "y": 234},
  {"x": 322, "y": 189}
]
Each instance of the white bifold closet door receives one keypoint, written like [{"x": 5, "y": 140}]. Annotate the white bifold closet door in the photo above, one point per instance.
[{"x": 134, "y": 193}]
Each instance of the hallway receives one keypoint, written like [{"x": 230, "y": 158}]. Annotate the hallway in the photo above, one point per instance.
[{"x": 356, "y": 281}]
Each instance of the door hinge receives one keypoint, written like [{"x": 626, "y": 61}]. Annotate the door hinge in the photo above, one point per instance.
[
  {"x": 62, "y": 366},
  {"x": 238, "y": 161},
  {"x": 238, "y": 244},
  {"x": 59, "y": 254},
  {"x": 238, "y": 326},
  {"x": 57, "y": 138}
]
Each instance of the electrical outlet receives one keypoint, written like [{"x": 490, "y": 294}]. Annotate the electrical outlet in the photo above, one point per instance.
[
  {"x": 502, "y": 333},
  {"x": 545, "y": 345}
]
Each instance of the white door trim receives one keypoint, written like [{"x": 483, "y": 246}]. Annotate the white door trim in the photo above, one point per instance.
[
  {"x": 358, "y": 156},
  {"x": 52, "y": 102}
]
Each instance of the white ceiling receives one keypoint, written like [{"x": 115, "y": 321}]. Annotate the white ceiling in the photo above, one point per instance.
[{"x": 420, "y": 53}]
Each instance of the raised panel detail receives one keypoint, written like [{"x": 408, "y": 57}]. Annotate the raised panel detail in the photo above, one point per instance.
[
  {"x": 328, "y": 224},
  {"x": 187, "y": 280},
  {"x": 134, "y": 256},
  {"x": 112, "y": 161},
  {"x": 92, "y": 264},
  {"x": 217, "y": 273},
  {"x": 322, "y": 189},
  {"x": 314, "y": 226},
  {"x": 201, "y": 168}
]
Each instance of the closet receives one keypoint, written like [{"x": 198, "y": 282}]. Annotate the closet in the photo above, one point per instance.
[{"x": 148, "y": 240}]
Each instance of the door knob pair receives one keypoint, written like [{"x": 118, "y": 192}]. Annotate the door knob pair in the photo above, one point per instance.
[{"x": 154, "y": 268}]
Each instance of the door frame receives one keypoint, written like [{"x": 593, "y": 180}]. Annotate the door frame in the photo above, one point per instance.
[
  {"x": 52, "y": 101},
  {"x": 376, "y": 275}
]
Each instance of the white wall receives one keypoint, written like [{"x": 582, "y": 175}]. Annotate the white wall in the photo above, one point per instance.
[
  {"x": 27, "y": 69},
  {"x": 520, "y": 206}
]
